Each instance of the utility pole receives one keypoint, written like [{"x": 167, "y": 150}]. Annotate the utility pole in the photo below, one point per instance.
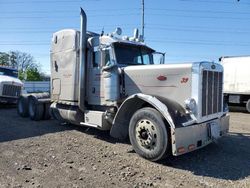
[{"x": 142, "y": 29}]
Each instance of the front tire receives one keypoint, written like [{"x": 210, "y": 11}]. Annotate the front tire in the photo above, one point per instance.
[{"x": 148, "y": 134}]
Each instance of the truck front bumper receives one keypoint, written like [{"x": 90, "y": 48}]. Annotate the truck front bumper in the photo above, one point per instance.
[
  {"x": 8, "y": 100},
  {"x": 190, "y": 138}
]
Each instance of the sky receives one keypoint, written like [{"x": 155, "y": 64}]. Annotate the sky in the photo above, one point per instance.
[{"x": 187, "y": 30}]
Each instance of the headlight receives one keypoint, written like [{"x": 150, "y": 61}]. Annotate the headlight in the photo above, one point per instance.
[{"x": 190, "y": 104}]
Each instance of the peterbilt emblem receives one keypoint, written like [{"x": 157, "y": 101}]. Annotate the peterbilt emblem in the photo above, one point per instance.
[
  {"x": 184, "y": 80},
  {"x": 162, "y": 78}
]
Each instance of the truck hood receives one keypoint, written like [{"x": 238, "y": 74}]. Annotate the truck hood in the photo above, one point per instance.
[
  {"x": 172, "y": 81},
  {"x": 13, "y": 80}
]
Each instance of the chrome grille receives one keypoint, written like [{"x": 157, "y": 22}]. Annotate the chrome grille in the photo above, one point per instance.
[
  {"x": 11, "y": 90},
  {"x": 211, "y": 92}
]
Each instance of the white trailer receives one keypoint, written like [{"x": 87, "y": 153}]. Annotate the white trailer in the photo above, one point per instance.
[{"x": 236, "y": 80}]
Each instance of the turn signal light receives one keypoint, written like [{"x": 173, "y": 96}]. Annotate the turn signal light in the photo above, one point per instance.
[
  {"x": 191, "y": 147},
  {"x": 181, "y": 150}
]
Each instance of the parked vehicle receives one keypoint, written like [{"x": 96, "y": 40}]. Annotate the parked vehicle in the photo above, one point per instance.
[
  {"x": 10, "y": 85},
  {"x": 111, "y": 83},
  {"x": 236, "y": 80}
]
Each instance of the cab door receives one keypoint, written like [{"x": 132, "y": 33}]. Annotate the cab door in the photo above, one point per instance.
[
  {"x": 103, "y": 78},
  {"x": 94, "y": 77}
]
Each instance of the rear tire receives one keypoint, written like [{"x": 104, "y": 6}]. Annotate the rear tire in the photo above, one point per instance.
[
  {"x": 248, "y": 106},
  {"x": 22, "y": 106},
  {"x": 46, "y": 111},
  {"x": 148, "y": 134},
  {"x": 36, "y": 110}
]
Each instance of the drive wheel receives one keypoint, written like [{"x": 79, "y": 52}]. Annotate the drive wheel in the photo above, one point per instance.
[
  {"x": 248, "y": 106},
  {"x": 148, "y": 134},
  {"x": 22, "y": 106},
  {"x": 46, "y": 111},
  {"x": 36, "y": 111}
]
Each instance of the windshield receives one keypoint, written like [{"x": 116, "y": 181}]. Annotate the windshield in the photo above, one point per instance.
[
  {"x": 8, "y": 72},
  {"x": 127, "y": 54}
]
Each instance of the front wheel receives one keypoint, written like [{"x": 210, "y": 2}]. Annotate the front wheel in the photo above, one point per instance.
[{"x": 148, "y": 134}]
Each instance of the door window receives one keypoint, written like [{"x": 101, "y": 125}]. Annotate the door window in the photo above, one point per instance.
[
  {"x": 107, "y": 61},
  {"x": 96, "y": 59}
]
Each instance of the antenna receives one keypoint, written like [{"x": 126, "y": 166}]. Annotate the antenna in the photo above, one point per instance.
[{"x": 142, "y": 29}]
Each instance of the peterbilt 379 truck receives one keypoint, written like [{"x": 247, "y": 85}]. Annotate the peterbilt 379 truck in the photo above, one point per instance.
[
  {"x": 10, "y": 85},
  {"x": 111, "y": 83}
]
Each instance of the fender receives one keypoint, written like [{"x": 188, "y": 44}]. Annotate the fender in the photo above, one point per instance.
[
  {"x": 39, "y": 97},
  {"x": 122, "y": 118}
]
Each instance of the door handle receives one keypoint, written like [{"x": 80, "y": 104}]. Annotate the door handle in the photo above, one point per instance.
[{"x": 56, "y": 66}]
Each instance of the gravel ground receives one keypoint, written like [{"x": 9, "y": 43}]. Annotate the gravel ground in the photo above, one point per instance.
[{"x": 47, "y": 154}]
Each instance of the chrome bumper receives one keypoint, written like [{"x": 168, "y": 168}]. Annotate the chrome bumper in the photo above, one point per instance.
[{"x": 190, "y": 138}]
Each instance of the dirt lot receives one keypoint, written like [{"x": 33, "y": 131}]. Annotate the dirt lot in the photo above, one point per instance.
[{"x": 47, "y": 154}]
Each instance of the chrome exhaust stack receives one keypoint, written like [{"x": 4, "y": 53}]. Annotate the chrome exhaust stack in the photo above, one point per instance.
[{"x": 82, "y": 66}]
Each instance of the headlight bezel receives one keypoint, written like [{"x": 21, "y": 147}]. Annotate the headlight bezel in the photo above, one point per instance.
[{"x": 191, "y": 105}]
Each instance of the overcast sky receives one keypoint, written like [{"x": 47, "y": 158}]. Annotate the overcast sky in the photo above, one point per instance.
[{"x": 187, "y": 30}]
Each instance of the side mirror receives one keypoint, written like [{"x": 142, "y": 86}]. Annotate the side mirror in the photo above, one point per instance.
[
  {"x": 162, "y": 59},
  {"x": 108, "y": 67},
  {"x": 159, "y": 57}
]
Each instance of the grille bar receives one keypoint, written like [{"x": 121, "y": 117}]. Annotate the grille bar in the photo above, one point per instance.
[
  {"x": 11, "y": 90},
  {"x": 211, "y": 92}
]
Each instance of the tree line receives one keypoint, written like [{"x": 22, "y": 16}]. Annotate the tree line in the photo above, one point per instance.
[{"x": 28, "y": 68}]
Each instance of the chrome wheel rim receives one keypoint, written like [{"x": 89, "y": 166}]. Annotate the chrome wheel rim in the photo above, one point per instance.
[{"x": 146, "y": 135}]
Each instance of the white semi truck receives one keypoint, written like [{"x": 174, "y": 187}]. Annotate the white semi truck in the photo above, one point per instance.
[
  {"x": 10, "y": 85},
  {"x": 112, "y": 83},
  {"x": 236, "y": 80}
]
